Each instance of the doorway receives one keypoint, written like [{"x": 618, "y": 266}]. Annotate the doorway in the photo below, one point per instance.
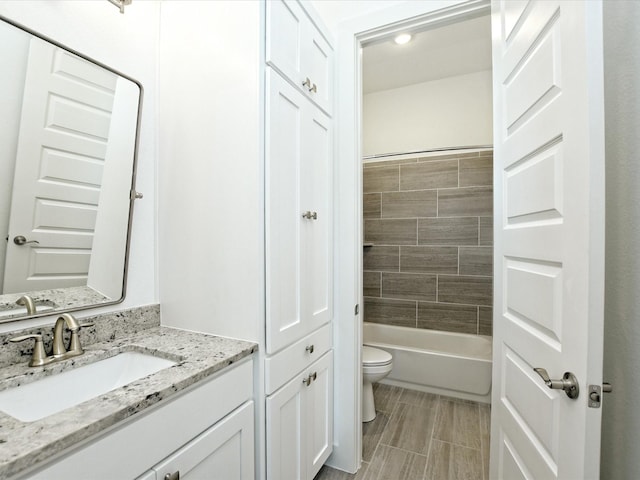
[{"x": 549, "y": 248}]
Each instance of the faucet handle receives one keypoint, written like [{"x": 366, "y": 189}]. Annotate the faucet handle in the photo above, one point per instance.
[
  {"x": 75, "y": 348},
  {"x": 39, "y": 357}
]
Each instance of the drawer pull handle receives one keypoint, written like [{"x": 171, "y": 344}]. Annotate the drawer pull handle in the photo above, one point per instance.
[
  {"x": 173, "y": 476},
  {"x": 307, "y": 83},
  {"x": 312, "y": 376},
  {"x": 309, "y": 348}
]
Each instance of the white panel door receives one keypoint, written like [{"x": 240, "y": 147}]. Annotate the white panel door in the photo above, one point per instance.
[
  {"x": 64, "y": 129},
  {"x": 286, "y": 412},
  {"x": 320, "y": 414},
  {"x": 224, "y": 452},
  {"x": 549, "y": 248}
]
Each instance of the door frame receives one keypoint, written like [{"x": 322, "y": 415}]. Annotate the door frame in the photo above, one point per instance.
[{"x": 348, "y": 228}]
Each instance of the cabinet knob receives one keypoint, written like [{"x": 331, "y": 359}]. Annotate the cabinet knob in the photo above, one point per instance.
[
  {"x": 309, "y": 348},
  {"x": 307, "y": 380},
  {"x": 313, "y": 89},
  {"x": 310, "y": 215},
  {"x": 173, "y": 476},
  {"x": 307, "y": 83}
]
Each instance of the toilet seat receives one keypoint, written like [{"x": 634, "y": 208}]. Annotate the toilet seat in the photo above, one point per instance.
[{"x": 374, "y": 357}]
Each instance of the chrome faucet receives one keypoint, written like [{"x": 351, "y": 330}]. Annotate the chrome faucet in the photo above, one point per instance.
[
  {"x": 59, "y": 352},
  {"x": 27, "y": 301}
]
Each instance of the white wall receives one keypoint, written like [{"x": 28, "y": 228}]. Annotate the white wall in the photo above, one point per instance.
[
  {"x": 449, "y": 112},
  {"x": 621, "y": 420},
  {"x": 127, "y": 43},
  {"x": 333, "y": 12},
  {"x": 211, "y": 264}
]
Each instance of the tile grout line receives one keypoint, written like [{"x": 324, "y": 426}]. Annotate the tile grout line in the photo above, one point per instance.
[
  {"x": 433, "y": 428},
  {"x": 375, "y": 450},
  {"x": 458, "y": 445}
]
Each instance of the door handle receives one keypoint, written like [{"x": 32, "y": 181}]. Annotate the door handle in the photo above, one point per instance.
[
  {"x": 568, "y": 383},
  {"x": 21, "y": 240}
]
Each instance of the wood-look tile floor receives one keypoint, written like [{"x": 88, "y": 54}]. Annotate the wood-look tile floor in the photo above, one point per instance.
[{"x": 422, "y": 436}]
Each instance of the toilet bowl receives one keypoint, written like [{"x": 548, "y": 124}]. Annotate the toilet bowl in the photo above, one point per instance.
[{"x": 376, "y": 364}]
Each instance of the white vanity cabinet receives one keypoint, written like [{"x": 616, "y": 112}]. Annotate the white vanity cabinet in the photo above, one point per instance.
[
  {"x": 300, "y": 423},
  {"x": 205, "y": 432},
  {"x": 299, "y": 50}
]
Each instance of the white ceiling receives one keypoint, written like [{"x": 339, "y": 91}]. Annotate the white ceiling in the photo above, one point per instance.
[{"x": 456, "y": 49}]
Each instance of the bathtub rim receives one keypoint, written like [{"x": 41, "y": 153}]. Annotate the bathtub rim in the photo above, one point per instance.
[{"x": 484, "y": 338}]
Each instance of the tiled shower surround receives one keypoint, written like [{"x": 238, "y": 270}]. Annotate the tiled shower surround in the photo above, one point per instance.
[{"x": 428, "y": 254}]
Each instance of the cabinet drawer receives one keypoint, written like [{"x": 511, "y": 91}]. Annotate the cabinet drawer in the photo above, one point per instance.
[{"x": 281, "y": 367}]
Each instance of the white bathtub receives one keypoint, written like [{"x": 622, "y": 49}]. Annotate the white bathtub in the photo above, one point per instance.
[{"x": 453, "y": 364}]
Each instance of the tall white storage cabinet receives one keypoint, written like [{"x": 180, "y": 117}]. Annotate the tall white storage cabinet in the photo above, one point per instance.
[{"x": 298, "y": 168}]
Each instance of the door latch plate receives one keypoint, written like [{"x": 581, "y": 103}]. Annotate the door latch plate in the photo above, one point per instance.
[{"x": 595, "y": 395}]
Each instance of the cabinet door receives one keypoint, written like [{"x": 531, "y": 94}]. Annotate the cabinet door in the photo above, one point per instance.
[
  {"x": 297, "y": 49},
  {"x": 286, "y": 31},
  {"x": 316, "y": 197},
  {"x": 283, "y": 212},
  {"x": 320, "y": 414},
  {"x": 317, "y": 61},
  {"x": 224, "y": 452},
  {"x": 286, "y": 428},
  {"x": 298, "y": 248}
]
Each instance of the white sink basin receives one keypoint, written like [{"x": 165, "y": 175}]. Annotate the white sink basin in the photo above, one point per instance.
[{"x": 39, "y": 399}]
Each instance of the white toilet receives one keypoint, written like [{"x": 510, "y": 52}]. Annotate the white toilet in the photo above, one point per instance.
[{"x": 376, "y": 364}]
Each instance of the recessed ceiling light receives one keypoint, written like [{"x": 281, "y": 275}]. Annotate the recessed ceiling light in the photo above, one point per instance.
[{"x": 402, "y": 38}]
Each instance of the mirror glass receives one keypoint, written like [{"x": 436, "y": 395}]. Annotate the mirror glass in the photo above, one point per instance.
[{"x": 68, "y": 135}]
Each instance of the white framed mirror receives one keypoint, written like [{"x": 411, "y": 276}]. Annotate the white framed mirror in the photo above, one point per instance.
[{"x": 68, "y": 142}]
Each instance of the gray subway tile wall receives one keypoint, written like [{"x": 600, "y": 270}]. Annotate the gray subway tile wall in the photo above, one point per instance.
[
  {"x": 428, "y": 233},
  {"x": 414, "y": 204},
  {"x": 391, "y": 231},
  {"x": 448, "y": 231},
  {"x": 409, "y": 286}
]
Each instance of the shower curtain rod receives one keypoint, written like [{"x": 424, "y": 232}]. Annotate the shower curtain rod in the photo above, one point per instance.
[{"x": 432, "y": 150}]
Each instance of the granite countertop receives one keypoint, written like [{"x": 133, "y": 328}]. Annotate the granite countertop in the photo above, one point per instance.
[{"x": 24, "y": 444}]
